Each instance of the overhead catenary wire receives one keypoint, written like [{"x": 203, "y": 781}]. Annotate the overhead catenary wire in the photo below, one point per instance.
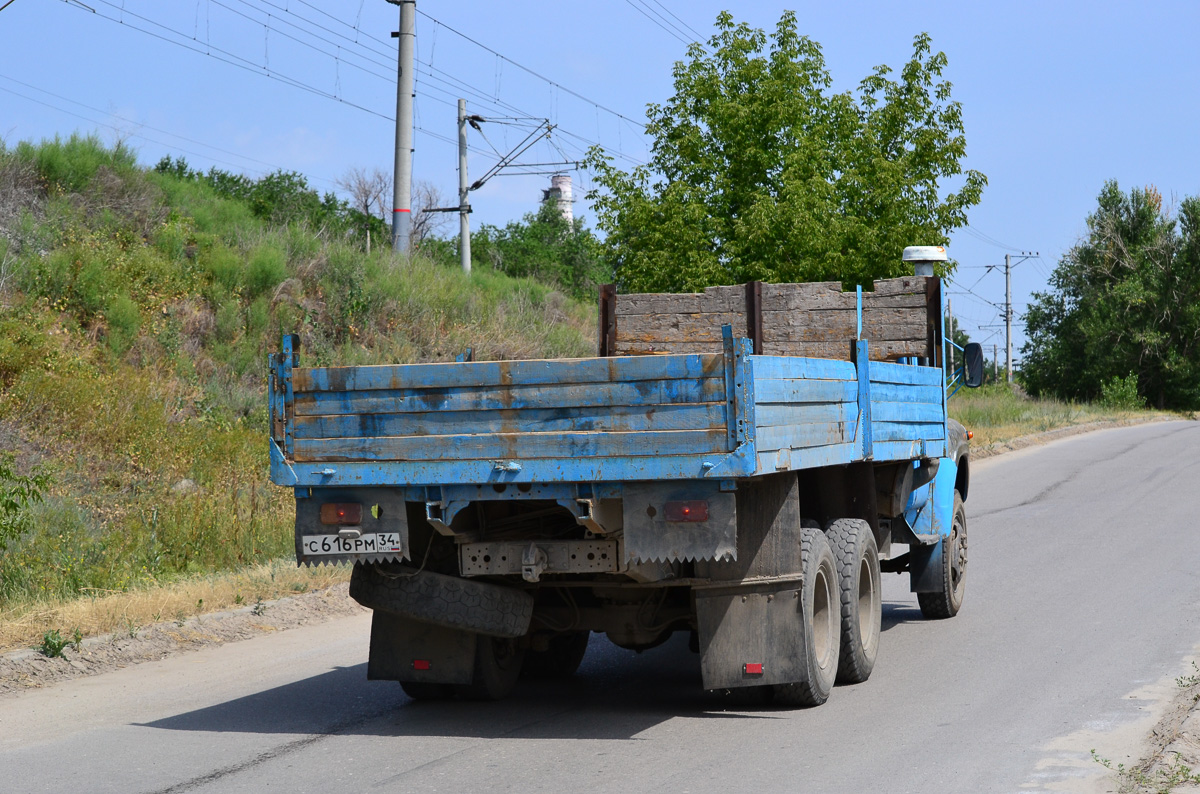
[
  {"x": 531, "y": 72},
  {"x": 657, "y": 19},
  {"x": 147, "y": 126}
]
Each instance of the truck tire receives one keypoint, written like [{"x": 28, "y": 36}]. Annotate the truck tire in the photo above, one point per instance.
[
  {"x": 947, "y": 602},
  {"x": 821, "y": 621},
  {"x": 443, "y": 600},
  {"x": 561, "y": 659},
  {"x": 857, "y": 558},
  {"x": 497, "y": 667}
]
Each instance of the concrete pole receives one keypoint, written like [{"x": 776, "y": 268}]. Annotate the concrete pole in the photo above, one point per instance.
[
  {"x": 402, "y": 178},
  {"x": 950, "y": 349},
  {"x": 1008, "y": 314},
  {"x": 464, "y": 206},
  {"x": 995, "y": 364}
]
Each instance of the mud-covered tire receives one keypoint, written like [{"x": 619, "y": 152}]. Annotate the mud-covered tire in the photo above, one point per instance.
[
  {"x": 442, "y": 600},
  {"x": 561, "y": 659},
  {"x": 821, "y": 609},
  {"x": 859, "y": 583},
  {"x": 947, "y": 602},
  {"x": 424, "y": 690},
  {"x": 498, "y": 664}
]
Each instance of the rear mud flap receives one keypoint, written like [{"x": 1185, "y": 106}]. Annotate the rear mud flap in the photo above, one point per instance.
[
  {"x": 408, "y": 650},
  {"x": 752, "y": 635}
]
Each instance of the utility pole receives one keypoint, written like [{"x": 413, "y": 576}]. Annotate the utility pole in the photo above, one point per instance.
[
  {"x": 464, "y": 206},
  {"x": 1008, "y": 313},
  {"x": 995, "y": 363},
  {"x": 950, "y": 317},
  {"x": 402, "y": 178}
]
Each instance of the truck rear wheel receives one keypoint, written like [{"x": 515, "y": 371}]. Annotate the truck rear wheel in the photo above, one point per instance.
[
  {"x": 857, "y": 558},
  {"x": 947, "y": 602},
  {"x": 561, "y": 659},
  {"x": 497, "y": 668},
  {"x": 821, "y": 614}
]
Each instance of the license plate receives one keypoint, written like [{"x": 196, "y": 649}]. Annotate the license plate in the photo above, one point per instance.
[{"x": 379, "y": 543}]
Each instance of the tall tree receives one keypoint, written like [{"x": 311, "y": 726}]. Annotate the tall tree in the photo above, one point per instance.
[
  {"x": 1124, "y": 300},
  {"x": 759, "y": 171}
]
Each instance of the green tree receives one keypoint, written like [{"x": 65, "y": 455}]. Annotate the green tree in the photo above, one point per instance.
[
  {"x": 759, "y": 171},
  {"x": 1124, "y": 304},
  {"x": 545, "y": 246}
]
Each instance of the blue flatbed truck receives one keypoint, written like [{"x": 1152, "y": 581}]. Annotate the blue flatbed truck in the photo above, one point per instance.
[{"x": 691, "y": 478}]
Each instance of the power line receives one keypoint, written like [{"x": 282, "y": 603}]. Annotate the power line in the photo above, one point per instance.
[
  {"x": 231, "y": 58},
  {"x": 660, "y": 21},
  {"x": 694, "y": 32},
  {"x": 147, "y": 126},
  {"x": 526, "y": 69}
]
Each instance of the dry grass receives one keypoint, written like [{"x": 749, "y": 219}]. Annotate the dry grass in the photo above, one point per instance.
[
  {"x": 997, "y": 414},
  {"x": 102, "y": 612}
]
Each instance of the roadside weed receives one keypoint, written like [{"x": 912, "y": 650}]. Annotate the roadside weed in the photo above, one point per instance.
[{"x": 52, "y": 644}]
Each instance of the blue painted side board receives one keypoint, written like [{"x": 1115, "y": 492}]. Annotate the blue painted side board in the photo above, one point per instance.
[{"x": 621, "y": 419}]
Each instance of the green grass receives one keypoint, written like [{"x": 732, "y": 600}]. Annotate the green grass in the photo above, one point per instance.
[
  {"x": 997, "y": 413},
  {"x": 134, "y": 332}
]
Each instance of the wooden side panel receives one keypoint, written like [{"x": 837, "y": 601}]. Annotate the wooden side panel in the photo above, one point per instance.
[
  {"x": 802, "y": 404},
  {"x": 679, "y": 323},
  {"x": 546, "y": 410},
  {"x": 816, "y": 320}
]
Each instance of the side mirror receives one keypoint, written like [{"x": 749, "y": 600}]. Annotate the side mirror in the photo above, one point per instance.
[{"x": 973, "y": 365}]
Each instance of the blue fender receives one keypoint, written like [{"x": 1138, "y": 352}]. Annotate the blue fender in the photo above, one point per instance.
[{"x": 933, "y": 522}]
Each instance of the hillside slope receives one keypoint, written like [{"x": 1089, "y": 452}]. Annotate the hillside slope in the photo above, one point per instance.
[{"x": 137, "y": 308}]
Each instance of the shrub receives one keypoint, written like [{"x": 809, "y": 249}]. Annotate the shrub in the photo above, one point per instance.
[{"x": 1121, "y": 393}]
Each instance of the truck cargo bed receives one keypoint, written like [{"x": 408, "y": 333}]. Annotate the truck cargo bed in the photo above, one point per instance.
[{"x": 625, "y": 418}]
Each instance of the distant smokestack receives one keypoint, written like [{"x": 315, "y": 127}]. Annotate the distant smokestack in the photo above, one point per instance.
[{"x": 560, "y": 191}]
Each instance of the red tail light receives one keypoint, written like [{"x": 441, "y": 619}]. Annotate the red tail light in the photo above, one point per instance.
[
  {"x": 341, "y": 514},
  {"x": 696, "y": 510}
]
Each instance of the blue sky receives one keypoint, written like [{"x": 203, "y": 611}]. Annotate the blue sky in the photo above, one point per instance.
[{"x": 1057, "y": 97}]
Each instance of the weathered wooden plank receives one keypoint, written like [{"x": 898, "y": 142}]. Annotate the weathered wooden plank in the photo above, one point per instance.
[
  {"x": 906, "y": 301},
  {"x": 906, "y": 431},
  {"x": 788, "y": 390},
  {"x": 899, "y": 286},
  {"x": 513, "y": 446},
  {"x": 908, "y": 450},
  {"x": 905, "y": 411},
  {"x": 636, "y": 348},
  {"x": 781, "y": 414},
  {"x": 636, "y": 393},
  {"x": 802, "y": 436},
  {"x": 792, "y": 367},
  {"x": 652, "y": 328},
  {"x": 872, "y": 332},
  {"x": 880, "y": 350},
  {"x": 846, "y": 318},
  {"x": 811, "y": 457},
  {"x": 621, "y": 418},
  {"x": 906, "y": 392},
  {"x": 500, "y": 373},
  {"x": 883, "y": 372},
  {"x": 783, "y": 300},
  {"x": 714, "y": 299}
]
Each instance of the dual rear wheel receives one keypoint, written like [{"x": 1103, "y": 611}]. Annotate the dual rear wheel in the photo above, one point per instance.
[{"x": 841, "y": 608}]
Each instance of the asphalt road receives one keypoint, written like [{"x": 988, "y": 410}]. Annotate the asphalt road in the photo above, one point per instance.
[{"x": 1083, "y": 602}]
